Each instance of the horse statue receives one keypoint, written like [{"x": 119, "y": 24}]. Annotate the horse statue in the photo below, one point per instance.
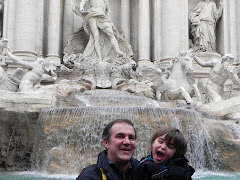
[{"x": 180, "y": 83}]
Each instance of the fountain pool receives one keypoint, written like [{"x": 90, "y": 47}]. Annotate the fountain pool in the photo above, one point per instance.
[{"x": 199, "y": 175}]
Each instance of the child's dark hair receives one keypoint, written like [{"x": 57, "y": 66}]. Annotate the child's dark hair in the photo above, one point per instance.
[{"x": 175, "y": 136}]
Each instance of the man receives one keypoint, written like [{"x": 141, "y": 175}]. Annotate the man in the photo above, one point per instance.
[
  {"x": 35, "y": 73},
  {"x": 98, "y": 25},
  {"x": 220, "y": 72},
  {"x": 116, "y": 162},
  {"x": 204, "y": 18}
]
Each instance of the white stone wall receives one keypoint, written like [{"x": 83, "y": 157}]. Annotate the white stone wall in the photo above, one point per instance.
[{"x": 156, "y": 29}]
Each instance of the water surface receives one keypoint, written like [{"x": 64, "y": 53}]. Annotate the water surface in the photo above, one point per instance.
[{"x": 206, "y": 175}]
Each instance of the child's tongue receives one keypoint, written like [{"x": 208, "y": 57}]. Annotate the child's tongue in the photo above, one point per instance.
[{"x": 160, "y": 154}]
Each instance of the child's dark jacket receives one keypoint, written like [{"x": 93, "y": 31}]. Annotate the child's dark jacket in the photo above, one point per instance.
[{"x": 174, "y": 169}]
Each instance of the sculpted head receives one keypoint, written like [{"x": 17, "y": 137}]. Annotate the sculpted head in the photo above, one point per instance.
[
  {"x": 227, "y": 61},
  {"x": 40, "y": 61},
  {"x": 228, "y": 58},
  {"x": 4, "y": 42}
]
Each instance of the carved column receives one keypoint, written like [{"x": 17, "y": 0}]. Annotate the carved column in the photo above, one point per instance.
[
  {"x": 144, "y": 31},
  {"x": 68, "y": 21},
  {"x": 174, "y": 27},
  {"x": 229, "y": 33},
  {"x": 25, "y": 27},
  {"x": 54, "y": 22},
  {"x": 125, "y": 19},
  {"x": 157, "y": 44},
  {"x": 9, "y": 22},
  {"x": 233, "y": 27},
  {"x": 40, "y": 27},
  {"x": 238, "y": 30}
]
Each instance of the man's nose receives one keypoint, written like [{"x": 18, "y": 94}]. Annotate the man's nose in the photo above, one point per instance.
[{"x": 126, "y": 140}]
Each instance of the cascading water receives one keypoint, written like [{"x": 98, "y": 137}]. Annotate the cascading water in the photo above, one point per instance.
[{"x": 69, "y": 139}]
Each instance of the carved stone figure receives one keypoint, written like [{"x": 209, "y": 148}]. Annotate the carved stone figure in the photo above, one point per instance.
[
  {"x": 10, "y": 82},
  {"x": 203, "y": 20},
  {"x": 220, "y": 72},
  {"x": 105, "y": 41},
  {"x": 180, "y": 83},
  {"x": 35, "y": 74},
  {"x": 3, "y": 44}
]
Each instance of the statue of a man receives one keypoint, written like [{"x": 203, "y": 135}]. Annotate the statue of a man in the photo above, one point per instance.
[
  {"x": 98, "y": 25},
  {"x": 203, "y": 20},
  {"x": 35, "y": 73},
  {"x": 220, "y": 72}
]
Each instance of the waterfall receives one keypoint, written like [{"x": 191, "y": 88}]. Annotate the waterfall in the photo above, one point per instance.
[{"x": 69, "y": 139}]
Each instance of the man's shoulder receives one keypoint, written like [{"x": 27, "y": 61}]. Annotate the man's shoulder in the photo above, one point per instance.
[
  {"x": 134, "y": 162},
  {"x": 90, "y": 172}
]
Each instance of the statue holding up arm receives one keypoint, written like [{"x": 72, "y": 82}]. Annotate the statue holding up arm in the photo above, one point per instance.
[
  {"x": 35, "y": 73},
  {"x": 219, "y": 73},
  {"x": 203, "y": 20}
]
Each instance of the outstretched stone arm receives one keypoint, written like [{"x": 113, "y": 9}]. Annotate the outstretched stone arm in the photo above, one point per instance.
[
  {"x": 235, "y": 79},
  {"x": 202, "y": 62},
  {"x": 19, "y": 61}
]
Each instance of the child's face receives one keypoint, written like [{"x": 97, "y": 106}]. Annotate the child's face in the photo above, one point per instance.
[{"x": 162, "y": 151}]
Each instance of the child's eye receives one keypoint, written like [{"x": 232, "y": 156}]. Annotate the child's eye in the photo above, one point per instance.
[{"x": 171, "y": 146}]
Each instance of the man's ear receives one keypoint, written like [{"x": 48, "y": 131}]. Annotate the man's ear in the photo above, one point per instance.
[{"x": 105, "y": 142}]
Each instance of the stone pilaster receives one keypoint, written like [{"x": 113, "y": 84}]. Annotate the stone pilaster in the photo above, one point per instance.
[
  {"x": 238, "y": 29},
  {"x": 157, "y": 44},
  {"x": 9, "y": 20},
  {"x": 54, "y": 21},
  {"x": 25, "y": 27},
  {"x": 174, "y": 27},
  {"x": 144, "y": 32},
  {"x": 68, "y": 21},
  {"x": 233, "y": 27},
  {"x": 125, "y": 19}
]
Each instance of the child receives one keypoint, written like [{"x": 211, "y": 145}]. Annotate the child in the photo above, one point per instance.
[{"x": 166, "y": 161}]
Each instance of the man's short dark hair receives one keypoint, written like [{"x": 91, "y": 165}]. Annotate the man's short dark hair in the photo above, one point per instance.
[
  {"x": 175, "y": 135},
  {"x": 108, "y": 128}
]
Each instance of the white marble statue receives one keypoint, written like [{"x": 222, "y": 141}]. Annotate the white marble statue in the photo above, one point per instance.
[
  {"x": 9, "y": 82},
  {"x": 220, "y": 72},
  {"x": 104, "y": 38},
  {"x": 203, "y": 20},
  {"x": 180, "y": 83},
  {"x": 36, "y": 72}
]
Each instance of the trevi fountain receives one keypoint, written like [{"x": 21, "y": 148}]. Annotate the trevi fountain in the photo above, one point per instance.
[{"x": 68, "y": 67}]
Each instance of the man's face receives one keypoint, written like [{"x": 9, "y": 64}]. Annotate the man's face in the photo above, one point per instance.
[{"x": 122, "y": 143}]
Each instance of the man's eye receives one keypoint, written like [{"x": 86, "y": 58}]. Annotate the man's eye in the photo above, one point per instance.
[
  {"x": 119, "y": 136},
  {"x": 132, "y": 137}
]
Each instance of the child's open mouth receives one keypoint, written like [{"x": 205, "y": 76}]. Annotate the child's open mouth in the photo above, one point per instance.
[{"x": 160, "y": 154}]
